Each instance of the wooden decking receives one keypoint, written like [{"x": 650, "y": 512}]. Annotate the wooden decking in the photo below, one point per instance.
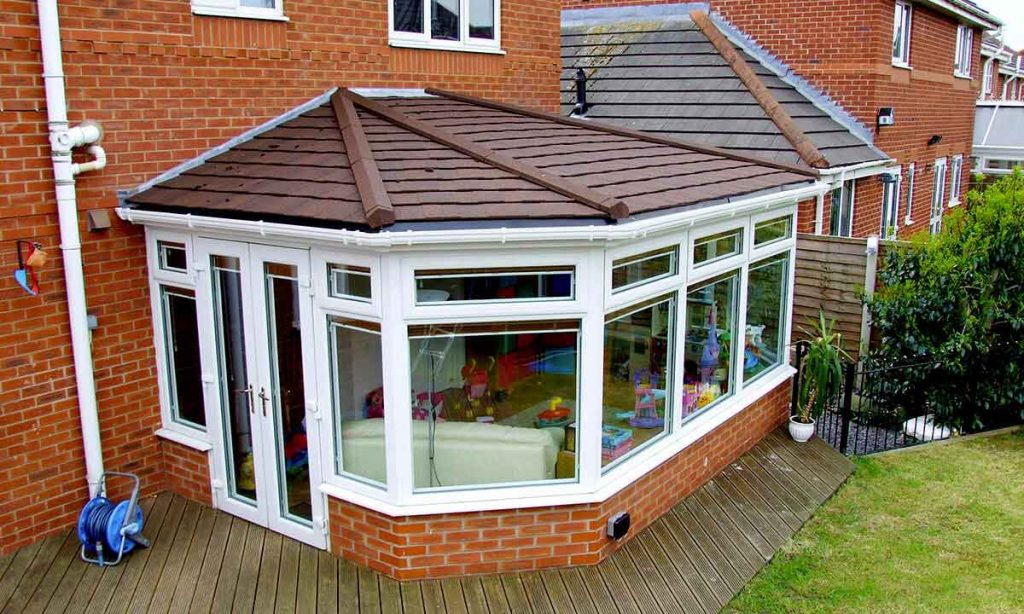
[{"x": 694, "y": 559}]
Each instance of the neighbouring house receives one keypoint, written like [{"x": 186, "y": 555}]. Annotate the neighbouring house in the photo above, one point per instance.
[
  {"x": 1001, "y": 71},
  {"x": 998, "y": 137},
  {"x": 667, "y": 72},
  {"x": 914, "y": 61},
  {"x": 437, "y": 333}
]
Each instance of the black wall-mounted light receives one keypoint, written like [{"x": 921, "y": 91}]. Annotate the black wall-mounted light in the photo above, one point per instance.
[{"x": 935, "y": 140}]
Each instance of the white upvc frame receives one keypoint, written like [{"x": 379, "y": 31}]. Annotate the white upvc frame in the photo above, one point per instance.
[
  {"x": 911, "y": 180},
  {"x": 234, "y": 8},
  {"x": 761, "y": 218},
  {"x": 891, "y": 205},
  {"x": 938, "y": 194},
  {"x": 963, "y": 60},
  {"x": 615, "y": 299},
  {"x": 716, "y": 266},
  {"x": 322, "y": 258},
  {"x": 956, "y": 180},
  {"x": 841, "y": 185},
  {"x": 904, "y": 10},
  {"x": 423, "y": 39}
]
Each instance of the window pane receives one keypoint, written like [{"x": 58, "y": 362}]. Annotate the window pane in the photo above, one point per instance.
[
  {"x": 172, "y": 256},
  {"x": 492, "y": 403},
  {"x": 351, "y": 282},
  {"x": 721, "y": 245},
  {"x": 841, "y": 210},
  {"x": 184, "y": 371},
  {"x": 766, "y": 310},
  {"x": 444, "y": 20},
  {"x": 481, "y": 19},
  {"x": 773, "y": 230},
  {"x": 899, "y": 23},
  {"x": 495, "y": 285},
  {"x": 711, "y": 327},
  {"x": 408, "y": 16},
  {"x": 641, "y": 268},
  {"x": 257, "y": 4},
  {"x": 637, "y": 374},
  {"x": 357, "y": 380}
]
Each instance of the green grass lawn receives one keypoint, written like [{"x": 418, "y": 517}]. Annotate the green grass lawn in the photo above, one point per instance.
[{"x": 936, "y": 529}]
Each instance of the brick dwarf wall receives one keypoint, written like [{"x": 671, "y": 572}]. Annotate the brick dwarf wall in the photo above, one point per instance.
[
  {"x": 449, "y": 545},
  {"x": 167, "y": 85},
  {"x": 187, "y": 471}
]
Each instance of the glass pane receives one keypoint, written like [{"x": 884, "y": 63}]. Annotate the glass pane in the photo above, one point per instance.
[
  {"x": 481, "y": 19},
  {"x": 408, "y": 16},
  {"x": 841, "y": 210},
  {"x": 358, "y": 392},
  {"x": 257, "y": 4},
  {"x": 234, "y": 381},
  {"x": 493, "y": 403},
  {"x": 444, "y": 20},
  {"x": 181, "y": 338},
  {"x": 710, "y": 330},
  {"x": 649, "y": 266},
  {"x": 352, "y": 282},
  {"x": 721, "y": 245},
  {"x": 766, "y": 312},
  {"x": 287, "y": 394},
  {"x": 773, "y": 230},
  {"x": 494, "y": 285},
  {"x": 172, "y": 256},
  {"x": 637, "y": 375}
]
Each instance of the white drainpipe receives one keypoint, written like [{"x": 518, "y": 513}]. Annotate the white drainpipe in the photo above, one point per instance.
[{"x": 63, "y": 139}]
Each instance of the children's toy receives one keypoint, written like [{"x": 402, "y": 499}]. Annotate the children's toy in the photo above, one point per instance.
[
  {"x": 615, "y": 442},
  {"x": 106, "y": 528},
  {"x": 247, "y": 474},
  {"x": 712, "y": 349},
  {"x": 374, "y": 407},
  {"x": 25, "y": 274},
  {"x": 645, "y": 410},
  {"x": 421, "y": 406},
  {"x": 555, "y": 415},
  {"x": 296, "y": 454}
]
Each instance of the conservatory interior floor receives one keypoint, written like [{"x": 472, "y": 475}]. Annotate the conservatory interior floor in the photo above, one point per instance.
[{"x": 693, "y": 559}]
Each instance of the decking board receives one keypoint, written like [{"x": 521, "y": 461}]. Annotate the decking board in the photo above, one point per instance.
[{"x": 695, "y": 558}]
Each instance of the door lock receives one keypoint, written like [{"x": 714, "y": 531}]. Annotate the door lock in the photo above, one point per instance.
[
  {"x": 264, "y": 398},
  {"x": 248, "y": 394}
]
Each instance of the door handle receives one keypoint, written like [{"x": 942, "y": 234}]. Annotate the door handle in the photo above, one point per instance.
[
  {"x": 264, "y": 398},
  {"x": 248, "y": 393}
]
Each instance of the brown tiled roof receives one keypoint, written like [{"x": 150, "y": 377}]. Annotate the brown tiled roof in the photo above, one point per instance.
[{"x": 358, "y": 162}]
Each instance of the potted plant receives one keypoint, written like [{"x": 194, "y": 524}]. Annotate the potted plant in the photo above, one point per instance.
[{"x": 821, "y": 376}]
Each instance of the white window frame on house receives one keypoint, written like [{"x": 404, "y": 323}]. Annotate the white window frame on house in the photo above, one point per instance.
[
  {"x": 986, "y": 84},
  {"x": 423, "y": 39},
  {"x": 235, "y": 8},
  {"x": 891, "y": 204},
  {"x": 901, "y": 28},
  {"x": 911, "y": 180},
  {"x": 835, "y": 228},
  {"x": 938, "y": 193},
  {"x": 963, "y": 60},
  {"x": 956, "y": 179}
]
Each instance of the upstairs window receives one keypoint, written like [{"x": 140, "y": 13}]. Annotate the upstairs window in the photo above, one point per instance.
[
  {"x": 986, "y": 86},
  {"x": 901, "y": 34},
  {"x": 469, "y": 25},
  {"x": 964, "y": 52},
  {"x": 253, "y": 9}
]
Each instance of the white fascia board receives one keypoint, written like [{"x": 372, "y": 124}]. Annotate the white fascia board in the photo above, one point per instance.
[
  {"x": 657, "y": 224},
  {"x": 966, "y": 13},
  {"x": 856, "y": 171}
]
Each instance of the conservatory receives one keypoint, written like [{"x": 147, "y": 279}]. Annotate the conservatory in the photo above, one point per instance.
[{"x": 421, "y": 303}]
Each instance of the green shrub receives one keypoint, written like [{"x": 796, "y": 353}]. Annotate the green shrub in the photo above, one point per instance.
[{"x": 957, "y": 300}]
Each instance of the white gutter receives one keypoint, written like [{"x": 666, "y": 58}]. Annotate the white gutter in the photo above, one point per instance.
[
  {"x": 62, "y": 140},
  {"x": 624, "y": 231},
  {"x": 852, "y": 169}
]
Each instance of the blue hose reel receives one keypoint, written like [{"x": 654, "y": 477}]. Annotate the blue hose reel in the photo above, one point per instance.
[{"x": 106, "y": 528}]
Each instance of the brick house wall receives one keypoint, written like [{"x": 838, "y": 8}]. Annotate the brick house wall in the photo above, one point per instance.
[
  {"x": 167, "y": 85},
  {"x": 450, "y": 545},
  {"x": 843, "y": 47}
]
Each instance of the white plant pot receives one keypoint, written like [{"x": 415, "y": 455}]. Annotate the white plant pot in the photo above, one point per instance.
[{"x": 799, "y": 431}]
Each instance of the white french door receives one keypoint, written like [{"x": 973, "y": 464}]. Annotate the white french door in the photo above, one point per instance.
[{"x": 255, "y": 314}]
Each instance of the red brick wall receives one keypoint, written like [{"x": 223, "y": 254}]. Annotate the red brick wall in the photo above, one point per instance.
[
  {"x": 187, "y": 471},
  {"x": 448, "y": 545},
  {"x": 167, "y": 85}
]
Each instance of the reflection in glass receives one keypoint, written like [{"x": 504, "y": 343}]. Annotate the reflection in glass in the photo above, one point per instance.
[
  {"x": 235, "y": 392},
  {"x": 717, "y": 246},
  {"x": 491, "y": 403},
  {"x": 643, "y": 268},
  {"x": 773, "y": 230},
  {"x": 172, "y": 256},
  {"x": 358, "y": 393},
  {"x": 408, "y": 16},
  {"x": 710, "y": 331},
  {"x": 495, "y": 285},
  {"x": 637, "y": 376},
  {"x": 444, "y": 20},
  {"x": 351, "y": 282},
  {"x": 287, "y": 394},
  {"x": 181, "y": 341},
  {"x": 481, "y": 19},
  {"x": 766, "y": 307}
]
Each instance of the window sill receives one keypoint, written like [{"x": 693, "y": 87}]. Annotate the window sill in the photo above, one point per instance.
[
  {"x": 962, "y": 76},
  {"x": 954, "y": 203},
  {"x": 901, "y": 65},
  {"x": 437, "y": 46},
  {"x": 189, "y": 441},
  {"x": 215, "y": 12}
]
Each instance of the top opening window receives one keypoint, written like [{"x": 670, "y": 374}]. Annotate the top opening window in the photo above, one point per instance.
[
  {"x": 446, "y": 24},
  {"x": 901, "y": 34},
  {"x": 252, "y": 9},
  {"x": 717, "y": 246},
  {"x": 350, "y": 282},
  {"x": 504, "y": 285},
  {"x": 770, "y": 231},
  {"x": 643, "y": 268},
  {"x": 173, "y": 256},
  {"x": 964, "y": 52}
]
